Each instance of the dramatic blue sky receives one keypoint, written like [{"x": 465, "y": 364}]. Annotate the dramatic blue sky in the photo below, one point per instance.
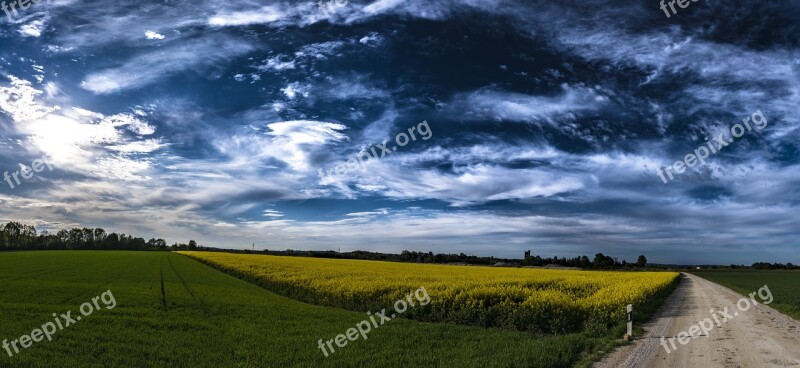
[{"x": 210, "y": 120}]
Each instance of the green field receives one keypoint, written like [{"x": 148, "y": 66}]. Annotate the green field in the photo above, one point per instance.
[
  {"x": 204, "y": 318},
  {"x": 784, "y": 285}
]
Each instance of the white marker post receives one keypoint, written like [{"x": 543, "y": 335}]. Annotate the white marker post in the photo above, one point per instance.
[{"x": 629, "y": 335}]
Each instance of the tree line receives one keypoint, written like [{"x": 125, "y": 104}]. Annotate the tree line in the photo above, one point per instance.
[
  {"x": 770, "y": 266},
  {"x": 600, "y": 260},
  {"x": 17, "y": 236}
]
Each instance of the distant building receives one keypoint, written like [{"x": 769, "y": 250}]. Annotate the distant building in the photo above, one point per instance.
[{"x": 527, "y": 254}]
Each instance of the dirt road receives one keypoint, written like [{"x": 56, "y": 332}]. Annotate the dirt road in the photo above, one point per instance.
[{"x": 757, "y": 337}]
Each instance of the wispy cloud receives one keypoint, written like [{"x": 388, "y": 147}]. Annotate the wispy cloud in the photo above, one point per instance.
[
  {"x": 266, "y": 14},
  {"x": 498, "y": 105},
  {"x": 152, "y": 66}
]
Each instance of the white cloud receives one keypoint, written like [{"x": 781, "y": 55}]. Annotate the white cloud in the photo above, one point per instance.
[
  {"x": 498, "y": 105},
  {"x": 75, "y": 139},
  {"x": 145, "y": 146},
  {"x": 380, "y": 211},
  {"x": 371, "y": 39},
  {"x": 294, "y": 89},
  {"x": 351, "y": 87},
  {"x": 133, "y": 123},
  {"x": 267, "y": 14},
  {"x": 151, "y": 35},
  {"x": 291, "y": 142},
  {"x": 87, "y": 113},
  {"x": 272, "y": 213},
  {"x": 381, "y": 6},
  {"x": 150, "y": 67},
  {"x": 32, "y": 29},
  {"x": 277, "y": 63},
  {"x": 19, "y": 101},
  {"x": 320, "y": 50},
  {"x": 475, "y": 184}
]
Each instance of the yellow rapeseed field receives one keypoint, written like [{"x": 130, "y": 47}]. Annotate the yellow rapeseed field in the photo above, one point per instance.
[{"x": 522, "y": 298}]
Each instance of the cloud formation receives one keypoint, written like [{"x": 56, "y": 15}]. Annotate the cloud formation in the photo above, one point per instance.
[{"x": 211, "y": 121}]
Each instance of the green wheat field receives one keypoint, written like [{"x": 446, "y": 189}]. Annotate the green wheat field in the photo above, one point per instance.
[{"x": 205, "y": 318}]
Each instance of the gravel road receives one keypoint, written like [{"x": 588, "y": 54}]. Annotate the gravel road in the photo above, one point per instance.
[{"x": 757, "y": 337}]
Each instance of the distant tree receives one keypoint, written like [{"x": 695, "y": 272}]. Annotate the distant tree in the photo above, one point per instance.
[
  {"x": 75, "y": 239},
  {"x": 63, "y": 236},
  {"x": 137, "y": 244},
  {"x": 192, "y": 245},
  {"x": 641, "y": 261},
  {"x": 12, "y": 232},
  {"x": 603, "y": 261},
  {"x": 88, "y": 237},
  {"x": 111, "y": 241},
  {"x": 761, "y": 266},
  {"x": 99, "y": 236}
]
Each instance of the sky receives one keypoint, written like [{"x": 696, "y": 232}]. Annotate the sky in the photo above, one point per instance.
[{"x": 487, "y": 127}]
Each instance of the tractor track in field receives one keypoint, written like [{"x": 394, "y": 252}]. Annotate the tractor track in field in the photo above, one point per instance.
[
  {"x": 163, "y": 292},
  {"x": 205, "y": 307},
  {"x": 199, "y": 300},
  {"x": 183, "y": 282}
]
